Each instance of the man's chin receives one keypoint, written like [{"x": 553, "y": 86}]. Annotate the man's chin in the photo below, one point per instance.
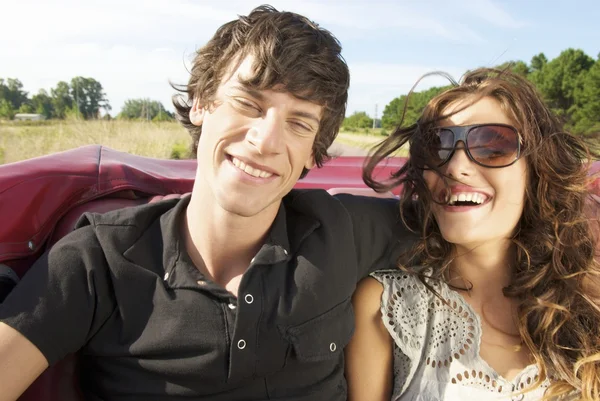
[{"x": 244, "y": 207}]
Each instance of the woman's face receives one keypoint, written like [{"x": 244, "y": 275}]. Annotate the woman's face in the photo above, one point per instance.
[{"x": 485, "y": 203}]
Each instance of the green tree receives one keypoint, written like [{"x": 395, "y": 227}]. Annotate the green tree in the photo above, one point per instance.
[
  {"x": 587, "y": 115},
  {"x": 144, "y": 109},
  {"x": 163, "y": 116},
  {"x": 26, "y": 108},
  {"x": 89, "y": 97},
  {"x": 42, "y": 104},
  {"x": 537, "y": 65},
  {"x": 6, "y": 109},
  {"x": 518, "y": 67},
  {"x": 359, "y": 119},
  {"x": 61, "y": 99},
  {"x": 558, "y": 80},
  {"x": 12, "y": 91},
  {"x": 393, "y": 112},
  {"x": 538, "y": 62}
]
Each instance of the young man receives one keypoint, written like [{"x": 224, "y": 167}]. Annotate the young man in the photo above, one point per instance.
[{"x": 240, "y": 291}]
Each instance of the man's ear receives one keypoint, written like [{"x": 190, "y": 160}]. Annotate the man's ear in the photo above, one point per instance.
[{"x": 197, "y": 113}]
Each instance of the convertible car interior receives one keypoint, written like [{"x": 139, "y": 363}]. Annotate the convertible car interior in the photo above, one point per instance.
[{"x": 42, "y": 198}]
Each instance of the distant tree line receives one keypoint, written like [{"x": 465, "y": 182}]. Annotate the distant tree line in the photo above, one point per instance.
[
  {"x": 81, "y": 98},
  {"x": 144, "y": 109},
  {"x": 570, "y": 84},
  {"x": 359, "y": 119}
]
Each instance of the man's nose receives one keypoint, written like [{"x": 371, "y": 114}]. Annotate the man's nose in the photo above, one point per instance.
[{"x": 266, "y": 135}]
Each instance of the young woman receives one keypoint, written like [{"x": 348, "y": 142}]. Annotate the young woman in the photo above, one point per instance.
[{"x": 501, "y": 298}]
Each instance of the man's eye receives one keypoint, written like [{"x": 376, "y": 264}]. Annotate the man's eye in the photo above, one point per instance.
[
  {"x": 301, "y": 127},
  {"x": 247, "y": 105}
]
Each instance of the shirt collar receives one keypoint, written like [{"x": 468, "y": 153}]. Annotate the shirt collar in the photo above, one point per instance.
[
  {"x": 170, "y": 226},
  {"x": 290, "y": 227}
]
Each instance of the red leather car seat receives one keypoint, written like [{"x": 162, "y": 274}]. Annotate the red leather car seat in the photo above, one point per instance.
[
  {"x": 60, "y": 382},
  {"x": 41, "y": 199}
]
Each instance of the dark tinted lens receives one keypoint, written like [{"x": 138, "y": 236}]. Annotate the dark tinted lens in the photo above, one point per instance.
[
  {"x": 442, "y": 144},
  {"x": 493, "y": 145}
]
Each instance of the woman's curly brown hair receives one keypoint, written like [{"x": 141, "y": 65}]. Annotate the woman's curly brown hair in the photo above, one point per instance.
[{"x": 556, "y": 272}]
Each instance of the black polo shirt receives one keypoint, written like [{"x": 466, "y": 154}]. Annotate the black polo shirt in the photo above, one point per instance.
[{"x": 149, "y": 326}]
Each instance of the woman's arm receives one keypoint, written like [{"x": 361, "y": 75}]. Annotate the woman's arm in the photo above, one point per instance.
[{"x": 369, "y": 355}]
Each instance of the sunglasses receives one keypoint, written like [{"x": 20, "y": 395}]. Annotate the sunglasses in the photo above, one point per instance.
[{"x": 489, "y": 145}]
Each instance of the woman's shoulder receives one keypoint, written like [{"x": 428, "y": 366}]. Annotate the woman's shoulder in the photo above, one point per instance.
[{"x": 415, "y": 281}]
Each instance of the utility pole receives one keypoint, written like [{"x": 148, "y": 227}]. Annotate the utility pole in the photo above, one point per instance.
[
  {"x": 375, "y": 117},
  {"x": 144, "y": 113},
  {"x": 77, "y": 99}
]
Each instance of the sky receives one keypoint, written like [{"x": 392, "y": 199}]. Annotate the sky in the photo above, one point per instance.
[{"x": 134, "y": 48}]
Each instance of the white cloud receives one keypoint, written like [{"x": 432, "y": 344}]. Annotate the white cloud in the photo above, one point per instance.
[
  {"x": 402, "y": 75},
  {"x": 124, "y": 71},
  {"x": 135, "y": 47},
  {"x": 376, "y": 84},
  {"x": 492, "y": 13}
]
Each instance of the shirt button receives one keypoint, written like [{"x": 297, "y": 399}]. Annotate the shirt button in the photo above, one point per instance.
[
  {"x": 285, "y": 251},
  {"x": 166, "y": 276},
  {"x": 249, "y": 298},
  {"x": 241, "y": 344},
  {"x": 201, "y": 283},
  {"x": 332, "y": 347},
  {"x": 232, "y": 306}
]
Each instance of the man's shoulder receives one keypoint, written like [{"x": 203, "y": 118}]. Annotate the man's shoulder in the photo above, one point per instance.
[
  {"x": 139, "y": 217},
  {"x": 313, "y": 202},
  {"x": 307, "y": 193},
  {"x": 114, "y": 230},
  {"x": 311, "y": 195},
  {"x": 319, "y": 202}
]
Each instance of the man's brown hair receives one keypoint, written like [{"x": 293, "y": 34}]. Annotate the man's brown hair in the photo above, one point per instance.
[{"x": 290, "y": 51}]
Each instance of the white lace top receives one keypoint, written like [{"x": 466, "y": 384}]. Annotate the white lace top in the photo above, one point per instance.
[{"x": 436, "y": 352}]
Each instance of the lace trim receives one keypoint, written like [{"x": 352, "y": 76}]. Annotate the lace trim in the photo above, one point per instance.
[{"x": 442, "y": 337}]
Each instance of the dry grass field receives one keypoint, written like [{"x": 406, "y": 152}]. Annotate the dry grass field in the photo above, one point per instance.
[
  {"x": 25, "y": 140},
  {"x": 19, "y": 141},
  {"x": 364, "y": 141}
]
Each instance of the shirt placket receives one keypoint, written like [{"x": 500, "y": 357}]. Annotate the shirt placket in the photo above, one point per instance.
[
  {"x": 250, "y": 304},
  {"x": 246, "y": 309}
]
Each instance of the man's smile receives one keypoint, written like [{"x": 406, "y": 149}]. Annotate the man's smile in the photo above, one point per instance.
[{"x": 250, "y": 168}]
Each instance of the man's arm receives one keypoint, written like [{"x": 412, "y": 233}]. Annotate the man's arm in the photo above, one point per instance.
[
  {"x": 21, "y": 363},
  {"x": 380, "y": 236},
  {"x": 60, "y": 303},
  {"x": 369, "y": 355}
]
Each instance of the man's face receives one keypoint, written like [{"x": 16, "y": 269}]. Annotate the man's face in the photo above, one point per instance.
[{"x": 254, "y": 144}]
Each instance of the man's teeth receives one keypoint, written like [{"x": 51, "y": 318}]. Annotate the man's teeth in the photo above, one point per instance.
[
  {"x": 254, "y": 172},
  {"x": 473, "y": 197}
]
